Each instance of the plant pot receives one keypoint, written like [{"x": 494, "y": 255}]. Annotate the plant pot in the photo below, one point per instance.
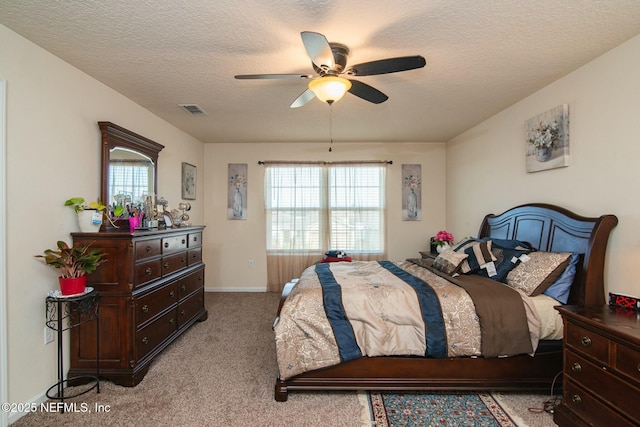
[
  {"x": 443, "y": 247},
  {"x": 89, "y": 220},
  {"x": 72, "y": 285}
]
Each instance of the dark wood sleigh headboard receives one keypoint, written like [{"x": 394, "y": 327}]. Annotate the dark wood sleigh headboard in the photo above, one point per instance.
[{"x": 551, "y": 228}]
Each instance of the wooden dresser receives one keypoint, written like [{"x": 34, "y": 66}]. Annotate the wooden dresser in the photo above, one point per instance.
[
  {"x": 601, "y": 374},
  {"x": 151, "y": 290}
]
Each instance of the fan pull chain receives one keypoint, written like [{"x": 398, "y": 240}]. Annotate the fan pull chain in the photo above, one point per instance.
[{"x": 330, "y": 127}]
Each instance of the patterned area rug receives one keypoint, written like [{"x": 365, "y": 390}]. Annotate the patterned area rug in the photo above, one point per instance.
[{"x": 435, "y": 409}]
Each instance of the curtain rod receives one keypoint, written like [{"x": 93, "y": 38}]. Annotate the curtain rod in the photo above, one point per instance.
[{"x": 303, "y": 162}]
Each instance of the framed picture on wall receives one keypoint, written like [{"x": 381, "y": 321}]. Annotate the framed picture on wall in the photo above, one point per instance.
[
  {"x": 411, "y": 192},
  {"x": 188, "y": 181},
  {"x": 237, "y": 191},
  {"x": 547, "y": 140}
]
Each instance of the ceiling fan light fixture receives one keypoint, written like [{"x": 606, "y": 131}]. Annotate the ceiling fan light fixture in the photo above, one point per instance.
[{"x": 329, "y": 89}]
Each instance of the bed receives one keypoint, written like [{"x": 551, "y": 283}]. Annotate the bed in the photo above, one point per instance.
[{"x": 547, "y": 229}]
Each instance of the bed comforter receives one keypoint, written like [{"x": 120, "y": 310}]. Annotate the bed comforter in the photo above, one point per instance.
[{"x": 341, "y": 311}]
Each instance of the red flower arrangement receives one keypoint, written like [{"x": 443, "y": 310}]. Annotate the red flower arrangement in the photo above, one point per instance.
[{"x": 443, "y": 237}]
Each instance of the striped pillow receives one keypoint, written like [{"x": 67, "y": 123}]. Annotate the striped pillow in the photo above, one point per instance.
[{"x": 478, "y": 254}]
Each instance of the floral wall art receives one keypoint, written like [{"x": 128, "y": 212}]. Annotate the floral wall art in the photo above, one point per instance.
[
  {"x": 547, "y": 139},
  {"x": 411, "y": 192},
  {"x": 237, "y": 194}
]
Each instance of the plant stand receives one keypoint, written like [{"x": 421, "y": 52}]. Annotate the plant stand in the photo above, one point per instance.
[{"x": 66, "y": 312}]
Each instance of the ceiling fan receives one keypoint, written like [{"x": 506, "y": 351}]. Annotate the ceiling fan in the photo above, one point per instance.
[{"x": 329, "y": 61}]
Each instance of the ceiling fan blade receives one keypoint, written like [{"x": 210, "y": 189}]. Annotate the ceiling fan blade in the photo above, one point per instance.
[
  {"x": 304, "y": 97},
  {"x": 318, "y": 49},
  {"x": 273, "y": 76},
  {"x": 366, "y": 92},
  {"x": 385, "y": 66}
]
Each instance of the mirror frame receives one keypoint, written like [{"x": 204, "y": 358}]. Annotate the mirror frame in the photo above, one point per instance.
[{"x": 116, "y": 136}]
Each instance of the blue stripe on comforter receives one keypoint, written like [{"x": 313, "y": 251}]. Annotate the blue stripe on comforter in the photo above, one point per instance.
[
  {"x": 431, "y": 311},
  {"x": 342, "y": 329}
]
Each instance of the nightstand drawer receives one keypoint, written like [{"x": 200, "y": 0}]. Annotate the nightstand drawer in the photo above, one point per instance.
[
  {"x": 628, "y": 362},
  {"x": 600, "y": 381},
  {"x": 587, "y": 342},
  {"x": 586, "y": 406}
]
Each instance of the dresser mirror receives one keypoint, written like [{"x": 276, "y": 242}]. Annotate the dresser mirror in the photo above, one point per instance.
[{"x": 129, "y": 166}]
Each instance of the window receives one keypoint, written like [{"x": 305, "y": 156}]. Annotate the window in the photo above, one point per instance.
[{"x": 313, "y": 208}]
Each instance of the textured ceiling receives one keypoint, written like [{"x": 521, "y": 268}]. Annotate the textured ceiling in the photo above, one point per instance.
[{"x": 482, "y": 56}]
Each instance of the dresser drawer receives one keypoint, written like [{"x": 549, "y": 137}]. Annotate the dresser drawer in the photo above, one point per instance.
[
  {"x": 194, "y": 256},
  {"x": 190, "y": 307},
  {"x": 147, "y": 271},
  {"x": 174, "y": 244},
  {"x": 173, "y": 263},
  {"x": 628, "y": 362},
  {"x": 151, "y": 304},
  {"x": 602, "y": 382},
  {"x": 589, "y": 408},
  {"x": 154, "y": 333},
  {"x": 190, "y": 283},
  {"x": 588, "y": 342},
  {"x": 147, "y": 249},
  {"x": 195, "y": 239}
]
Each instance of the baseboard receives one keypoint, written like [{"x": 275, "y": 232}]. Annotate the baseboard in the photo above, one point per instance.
[
  {"x": 261, "y": 289},
  {"x": 33, "y": 404}
]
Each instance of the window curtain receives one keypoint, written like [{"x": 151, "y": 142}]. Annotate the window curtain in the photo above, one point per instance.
[{"x": 313, "y": 208}]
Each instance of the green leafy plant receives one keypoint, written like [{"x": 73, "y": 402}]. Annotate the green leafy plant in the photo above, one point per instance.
[
  {"x": 73, "y": 261},
  {"x": 78, "y": 204}
]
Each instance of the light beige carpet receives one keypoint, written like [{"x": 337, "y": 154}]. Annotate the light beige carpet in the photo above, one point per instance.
[{"x": 221, "y": 372}]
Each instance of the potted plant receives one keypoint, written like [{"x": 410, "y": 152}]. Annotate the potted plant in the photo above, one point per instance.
[
  {"x": 90, "y": 216},
  {"x": 73, "y": 263}
]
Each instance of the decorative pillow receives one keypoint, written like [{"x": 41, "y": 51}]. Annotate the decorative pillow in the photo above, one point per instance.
[
  {"x": 479, "y": 254},
  {"x": 509, "y": 243},
  {"x": 535, "y": 274},
  {"x": 449, "y": 261},
  {"x": 465, "y": 243},
  {"x": 506, "y": 259},
  {"x": 561, "y": 288}
]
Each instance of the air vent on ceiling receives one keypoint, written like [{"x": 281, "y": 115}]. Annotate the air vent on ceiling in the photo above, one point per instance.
[{"x": 192, "y": 109}]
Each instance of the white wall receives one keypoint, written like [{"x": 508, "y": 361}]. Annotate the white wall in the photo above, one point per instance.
[
  {"x": 486, "y": 166},
  {"x": 230, "y": 244},
  {"x": 53, "y": 153}
]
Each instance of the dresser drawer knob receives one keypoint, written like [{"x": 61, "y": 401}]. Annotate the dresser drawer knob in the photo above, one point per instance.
[
  {"x": 576, "y": 367},
  {"x": 586, "y": 341},
  {"x": 195, "y": 239},
  {"x": 145, "y": 308},
  {"x": 171, "y": 294},
  {"x": 171, "y": 321},
  {"x": 149, "y": 248},
  {"x": 576, "y": 399},
  {"x": 148, "y": 271},
  {"x": 183, "y": 287},
  {"x": 145, "y": 340},
  {"x": 166, "y": 244},
  {"x": 183, "y": 260},
  {"x": 182, "y": 312},
  {"x": 166, "y": 265},
  {"x": 184, "y": 241}
]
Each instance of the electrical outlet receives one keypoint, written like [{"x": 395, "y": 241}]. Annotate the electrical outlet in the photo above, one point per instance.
[
  {"x": 250, "y": 263},
  {"x": 48, "y": 335}
]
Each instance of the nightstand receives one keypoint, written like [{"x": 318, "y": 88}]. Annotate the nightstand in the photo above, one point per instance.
[{"x": 601, "y": 371}]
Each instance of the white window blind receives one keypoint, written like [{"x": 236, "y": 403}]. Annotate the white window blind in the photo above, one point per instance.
[{"x": 315, "y": 208}]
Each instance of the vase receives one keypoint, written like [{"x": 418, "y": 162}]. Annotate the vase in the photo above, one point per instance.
[
  {"x": 72, "y": 285},
  {"x": 441, "y": 248},
  {"x": 412, "y": 204},
  {"x": 89, "y": 220},
  {"x": 543, "y": 154},
  {"x": 237, "y": 204}
]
